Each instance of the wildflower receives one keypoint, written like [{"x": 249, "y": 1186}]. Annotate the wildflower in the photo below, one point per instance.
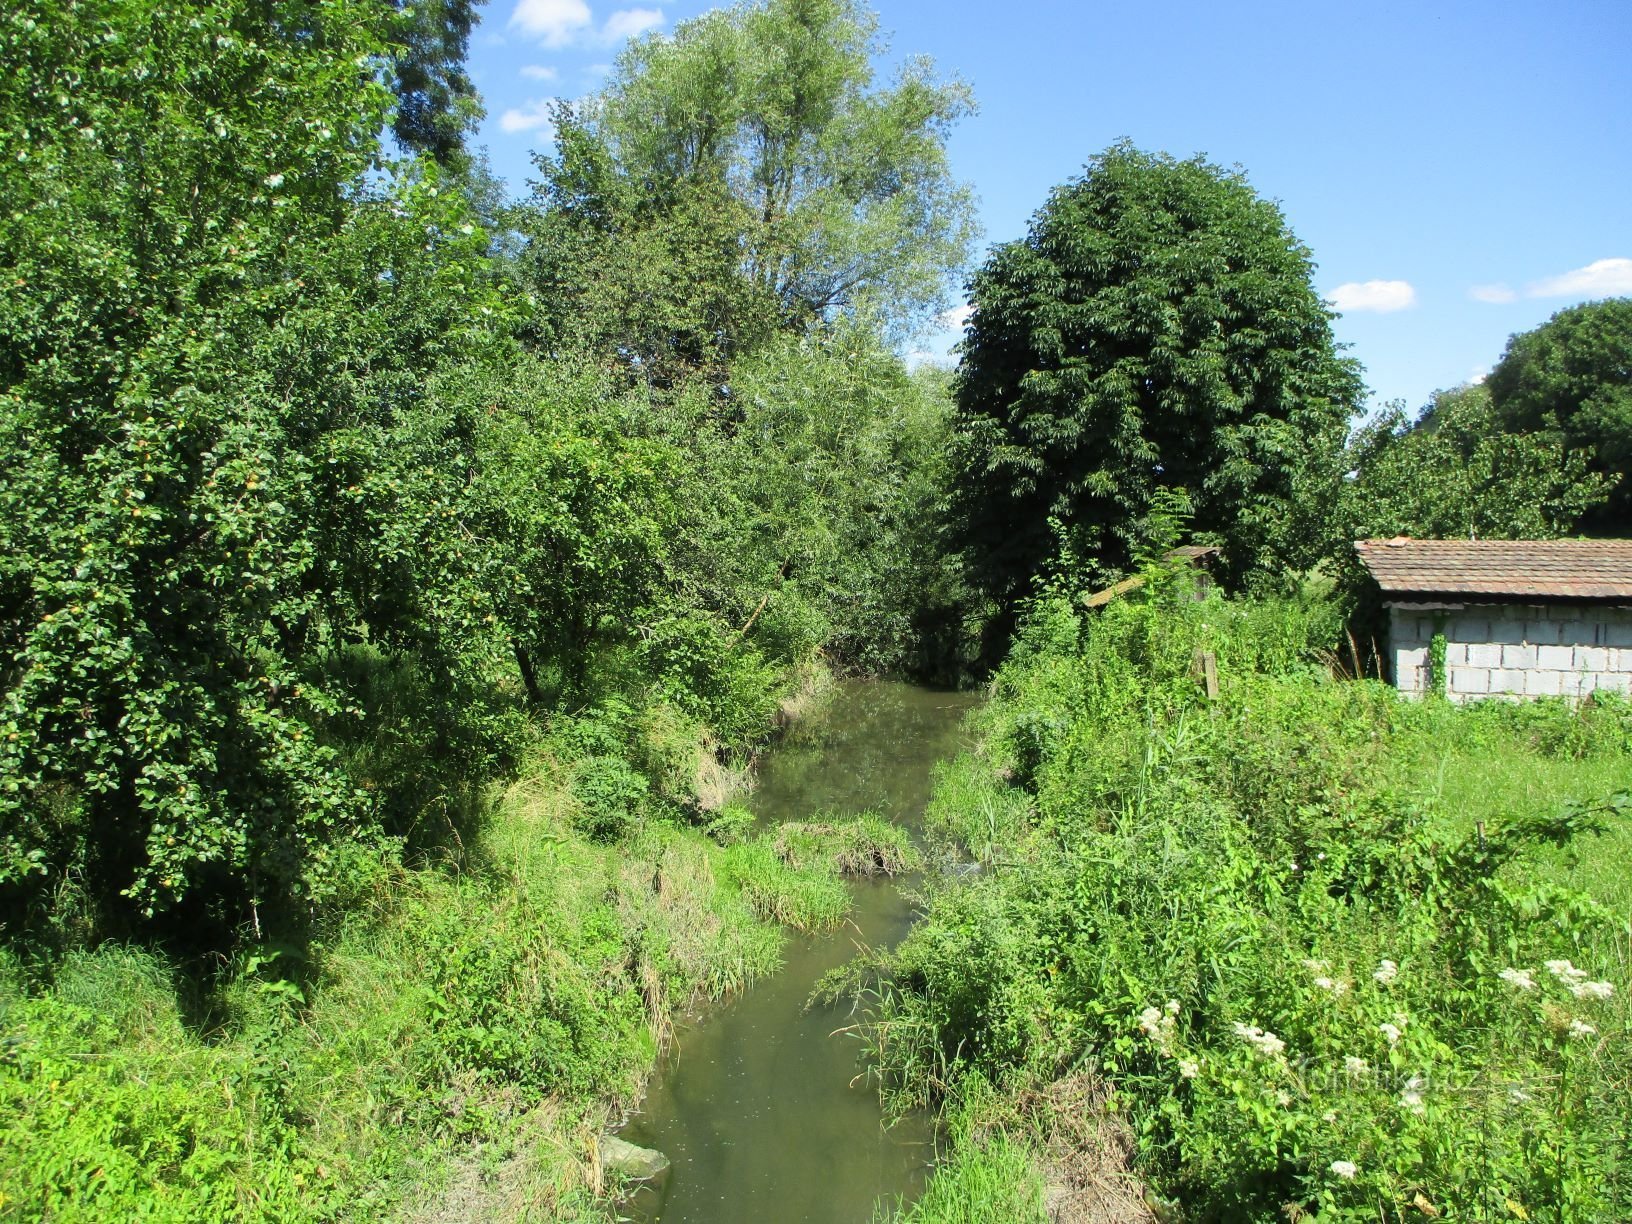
[
  {"x": 1172, "y": 1007},
  {"x": 1266, "y": 1043},
  {"x": 1592, "y": 990},
  {"x": 1336, "y": 987},
  {"x": 1389, "y": 1031},
  {"x": 1346, "y": 1169},
  {"x": 1518, "y": 1095},
  {"x": 1158, "y": 1027},
  {"x": 1189, "y": 1068},
  {"x": 1150, "y": 1021},
  {"x": 1283, "y": 1098},
  {"x": 1385, "y": 972},
  {"x": 1329, "y": 1116},
  {"x": 1580, "y": 1028},
  {"x": 1316, "y": 966},
  {"x": 1411, "y": 1097},
  {"x": 1355, "y": 1066},
  {"x": 1564, "y": 971},
  {"x": 1519, "y": 978},
  {"x": 273, "y": 181}
]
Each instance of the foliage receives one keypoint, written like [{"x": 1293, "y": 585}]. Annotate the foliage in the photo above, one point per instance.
[
  {"x": 444, "y": 1011},
  {"x": 745, "y": 174},
  {"x": 1456, "y": 473},
  {"x": 437, "y": 104},
  {"x": 1156, "y": 328},
  {"x": 1570, "y": 380},
  {"x": 205, "y": 506},
  {"x": 1310, "y": 987}
]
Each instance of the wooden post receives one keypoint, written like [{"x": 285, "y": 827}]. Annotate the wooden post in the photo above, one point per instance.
[{"x": 1205, "y": 669}]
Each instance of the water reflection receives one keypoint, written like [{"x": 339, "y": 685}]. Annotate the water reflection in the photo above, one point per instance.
[{"x": 760, "y": 1106}]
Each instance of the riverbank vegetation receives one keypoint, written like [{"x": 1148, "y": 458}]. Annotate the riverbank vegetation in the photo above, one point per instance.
[
  {"x": 398, "y": 583},
  {"x": 1326, "y": 952}
]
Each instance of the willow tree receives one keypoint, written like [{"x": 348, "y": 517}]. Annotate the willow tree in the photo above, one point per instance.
[
  {"x": 754, "y": 152},
  {"x": 1156, "y": 329}
]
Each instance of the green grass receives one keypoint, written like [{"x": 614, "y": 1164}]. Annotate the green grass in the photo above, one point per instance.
[{"x": 460, "y": 1036}]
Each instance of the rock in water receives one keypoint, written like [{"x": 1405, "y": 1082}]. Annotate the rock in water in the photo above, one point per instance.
[{"x": 640, "y": 1163}]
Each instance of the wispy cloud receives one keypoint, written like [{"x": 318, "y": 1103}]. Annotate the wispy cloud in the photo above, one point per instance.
[
  {"x": 564, "y": 23},
  {"x": 530, "y": 116},
  {"x": 555, "y": 22},
  {"x": 538, "y": 72},
  {"x": 1378, "y": 296},
  {"x": 628, "y": 23},
  {"x": 1497, "y": 294},
  {"x": 956, "y": 318},
  {"x": 1601, "y": 278}
]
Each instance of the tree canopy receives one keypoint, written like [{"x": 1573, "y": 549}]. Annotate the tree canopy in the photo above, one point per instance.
[
  {"x": 762, "y": 175},
  {"x": 1156, "y": 328},
  {"x": 1571, "y": 380},
  {"x": 1456, "y": 474}
]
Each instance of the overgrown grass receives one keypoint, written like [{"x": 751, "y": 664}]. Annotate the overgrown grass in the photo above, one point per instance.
[
  {"x": 1334, "y": 954},
  {"x": 459, "y": 1036}
]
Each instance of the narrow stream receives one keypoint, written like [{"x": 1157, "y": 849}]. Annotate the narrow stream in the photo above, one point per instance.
[{"x": 760, "y": 1104}]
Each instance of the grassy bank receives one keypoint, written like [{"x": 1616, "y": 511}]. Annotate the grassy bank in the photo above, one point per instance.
[
  {"x": 449, "y": 1048},
  {"x": 1308, "y": 951}
]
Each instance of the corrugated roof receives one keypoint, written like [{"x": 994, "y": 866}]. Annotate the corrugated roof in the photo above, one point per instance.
[{"x": 1509, "y": 569}]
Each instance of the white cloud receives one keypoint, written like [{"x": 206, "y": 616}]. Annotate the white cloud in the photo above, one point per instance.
[
  {"x": 627, "y": 23},
  {"x": 538, "y": 72},
  {"x": 1496, "y": 294},
  {"x": 556, "y": 22},
  {"x": 530, "y": 116},
  {"x": 956, "y": 318},
  {"x": 1478, "y": 375},
  {"x": 1380, "y": 296},
  {"x": 1601, "y": 278}
]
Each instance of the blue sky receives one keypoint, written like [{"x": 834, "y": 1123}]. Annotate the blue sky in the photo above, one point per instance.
[{"x": 1461, "y": 170}]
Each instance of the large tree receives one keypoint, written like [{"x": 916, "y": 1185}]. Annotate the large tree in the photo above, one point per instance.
[
  {"x": 754, "y": 165},
  {"x": 1571, "y": 380},
  {"x": 437, "y": 104},
  {"x": 1157, "y": 328},
  {"x": 1454, "y": 473}
]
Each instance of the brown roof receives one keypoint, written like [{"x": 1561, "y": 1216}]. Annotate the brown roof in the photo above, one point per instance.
[{"x": 1538, "y": 569}]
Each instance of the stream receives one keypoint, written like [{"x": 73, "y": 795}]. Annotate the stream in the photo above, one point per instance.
[{"x": 761, "y": 1106}]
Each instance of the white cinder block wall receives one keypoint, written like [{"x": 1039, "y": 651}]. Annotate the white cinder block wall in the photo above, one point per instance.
[{"x": 1515, "y": 650}]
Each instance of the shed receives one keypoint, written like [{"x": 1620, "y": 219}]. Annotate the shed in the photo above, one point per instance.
[{"x": 1520, "y": 618}]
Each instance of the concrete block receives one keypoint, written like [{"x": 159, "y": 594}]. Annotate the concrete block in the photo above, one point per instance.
[
  {"x": 1575, "y": 684},
  {"x": 1468, "y": 629},
  {"x": 1539, "y": 683},
  {"x": 1518, "y": 656},
  {"x": 1542, "y": 632},
  {"x": 1484, "y": 654},
  {"x": 1470, "y": 679},
  {"x": 1507, "y": 630},
  {"x": 1618, "y": 632},
  {"x": 1507, "y": 680},
  {"x": 1576, "y": 633},
  {"x": 1408, "y": 661},
  {"x": 1614, "y": 682},
  {"x": 1455, "y": 652},
  {"x": 1591, "y": 658},
  {"x": 1558, "y": 658}
]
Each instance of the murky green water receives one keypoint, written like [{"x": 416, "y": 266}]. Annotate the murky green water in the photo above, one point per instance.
[{"x": 760, "y": 1105}]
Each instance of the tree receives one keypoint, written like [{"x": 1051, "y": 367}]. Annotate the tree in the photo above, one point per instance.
[
  {"x": 1571, "y": 380},
  {"x": 437, "y": 103},
  {"x": 220, "y": 478},
  {"x": 1455, "y": 474},
  {"x": 752, "y": 154},
  {"x": 1157, "y": 328}
]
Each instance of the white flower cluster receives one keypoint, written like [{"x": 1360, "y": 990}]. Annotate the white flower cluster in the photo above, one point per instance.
[
  {"x": 1160, "y": 1026},
  {"x": 1576, "y": 980},
  {"x": 1519, "y": 979},
  {"x": 1323, "y": 978},
  {"x": 1346, "y": 1169},
  {"x": 1411, "y": 1095},
  {"x": 1355, "y": 1066},
  {"x": 1394, "y": 1030},
  {"x": 1580, "y": 1028},
  {"x": 1266, "y": 1043},
  {"x": 1385, "y": 973}
]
